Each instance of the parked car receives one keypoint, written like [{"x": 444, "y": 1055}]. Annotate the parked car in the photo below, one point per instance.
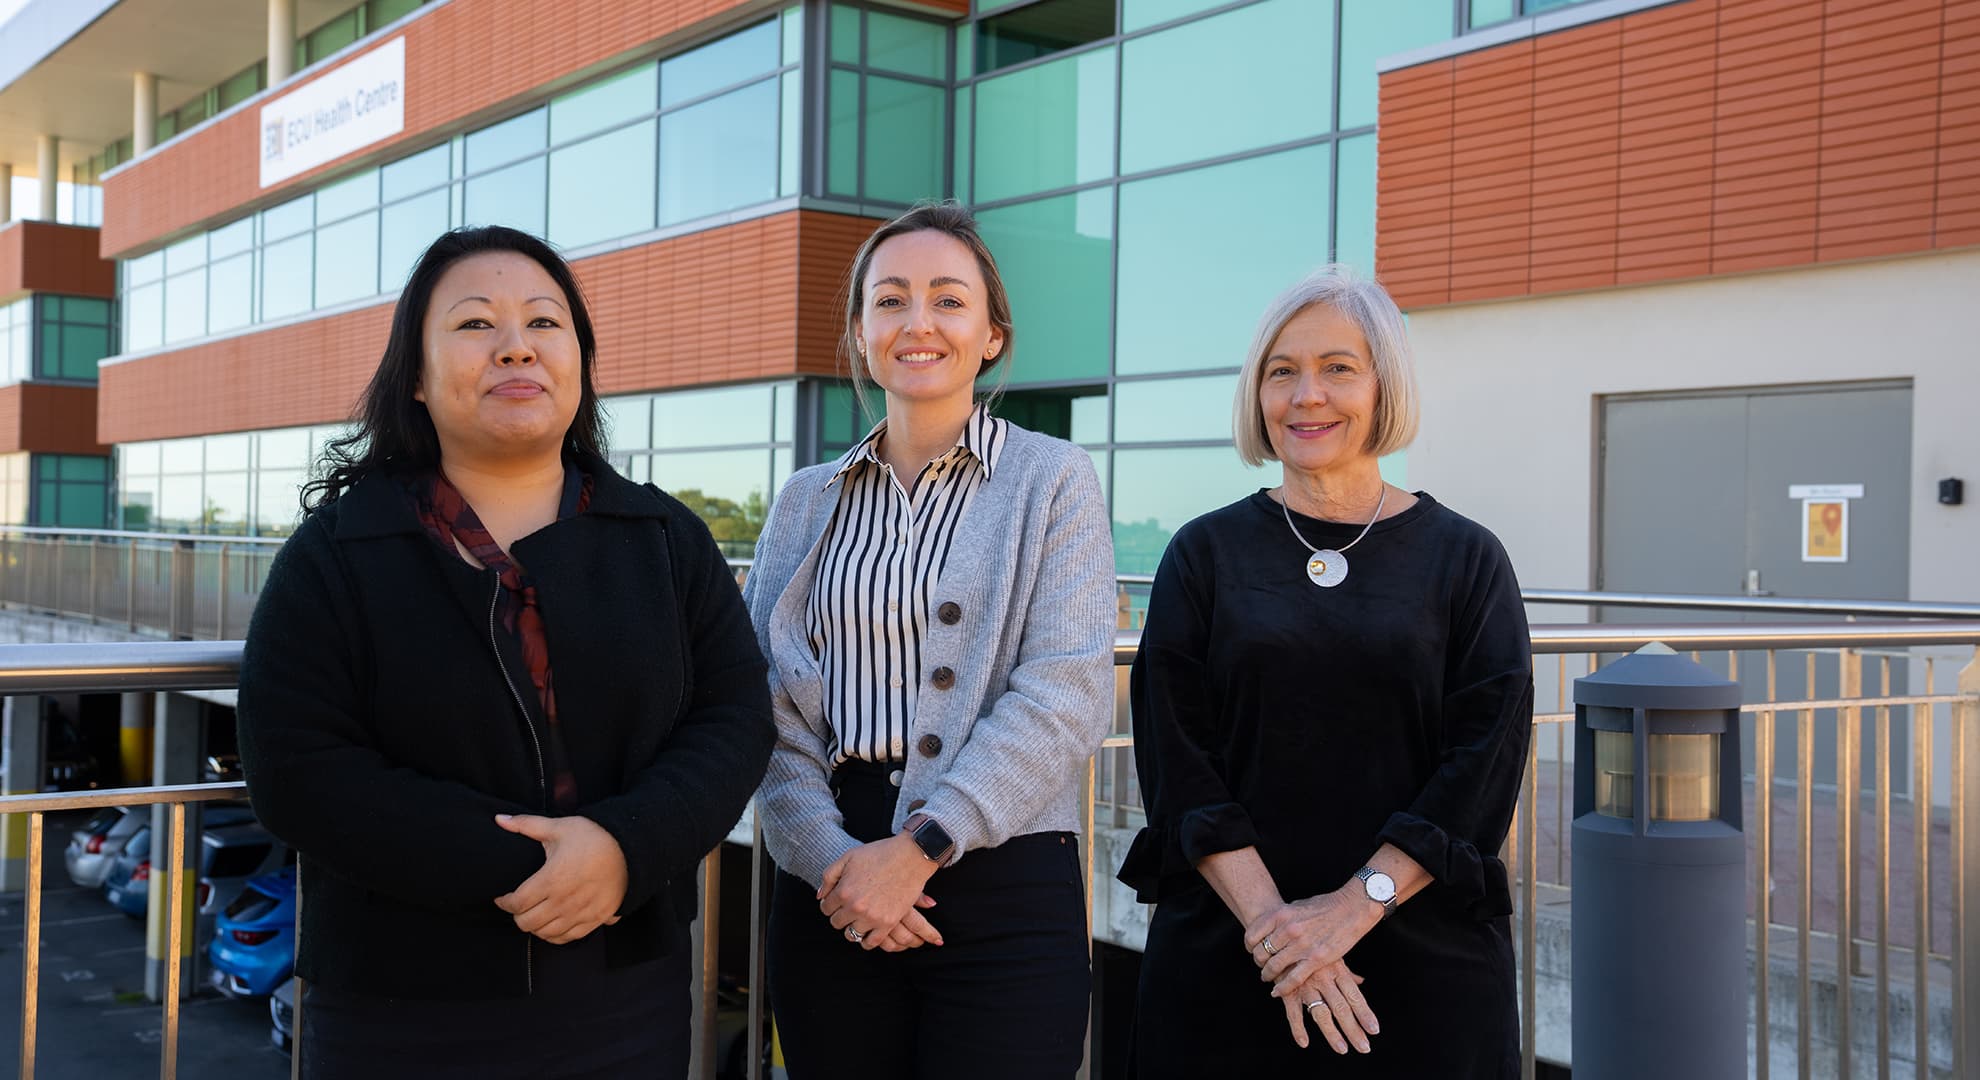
[
  {"x": 95, "y": 846},
  {"x": 230, "y": 855},
  {"x": 254, "y": 939},
  {"x": 282, "y": 1015}
]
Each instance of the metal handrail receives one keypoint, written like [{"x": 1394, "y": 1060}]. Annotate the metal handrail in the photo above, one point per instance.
[
  {"x": 1901, "y": 609},
  {"x": 122, "y": 534}
]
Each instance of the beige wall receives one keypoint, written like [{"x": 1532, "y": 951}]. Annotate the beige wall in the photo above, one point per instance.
[{"x": 1510, "y": 394}]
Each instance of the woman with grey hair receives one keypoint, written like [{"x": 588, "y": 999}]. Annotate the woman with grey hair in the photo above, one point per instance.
[{"x": 1331, "y": 708}]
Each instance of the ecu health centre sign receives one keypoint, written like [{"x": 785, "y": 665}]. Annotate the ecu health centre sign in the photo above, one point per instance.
[{"x": 346, "y": 110}]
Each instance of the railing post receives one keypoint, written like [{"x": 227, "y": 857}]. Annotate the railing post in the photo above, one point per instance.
[
  {"x": 130, "y": 586},
  {"x": 184, "y": 577},
  {"x": 1966, "y": 852},
  {"x": 94, "y": 547},
  {"x": 705, "y": 942},
  {"x": 220, "y": 612}
]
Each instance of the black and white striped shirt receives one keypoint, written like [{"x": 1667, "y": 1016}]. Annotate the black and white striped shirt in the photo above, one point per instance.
[{"x": 881, "y": 556}]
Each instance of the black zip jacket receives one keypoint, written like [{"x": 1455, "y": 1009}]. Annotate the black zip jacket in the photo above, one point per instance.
[{"x": 384, "y": 724}]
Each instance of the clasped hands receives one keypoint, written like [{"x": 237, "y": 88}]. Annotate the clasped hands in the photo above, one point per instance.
[
  {"x": 875, "y": 891},
  {"x": 580, "y": 886},
  {"x": 1308, "y": 940}
]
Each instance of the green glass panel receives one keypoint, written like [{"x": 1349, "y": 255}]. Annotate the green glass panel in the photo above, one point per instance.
[
  {"x": 840, "y": 423},
  {"x": 380, "y": 13},
  {"x": 793, "y": 50},
  {"x": 85, "y": 309},
  {"x": 185, "y": 306},
  {"x": 288, "y": 219},
  {"x": 605, "y": 103},
  {"x": 166, "y": 127},
  {"x": 1056, "y": 258},
  {"x": 845, "y": 34},
  {"x": 964, "y": 143},
  {"x": 347, "y": 260},
  {"x": 405, "y": 232},
  {"x": 1373, "y": 29},
  {"x": 907, "y": 46},
  {"x": 842, "y": 135},
  {"x": 333, "y": 35},
  {"x": 790, "y": 143},
  {"x": 346, "y": 197},
  {"x": 1041, "y": 29},
  {"x": 1487, "y": 12},
  {"x": 724, "y": 62},
  {"x": 1172, "y": 410},
  {"x": 83, "y": 506},
  {"x": 1354, "y": 213},
  {"x": 1157, "y": 491},
  {"x": 424, "y": 170},
  {"x": 905, "y": 140},
  {"x": 602, "y": 187},
  {"x": 1202, "y": 252},
  {"x": 1045, "y": 127},
  {"x": 725, "y": 417},
  {"x": 512, "y": 138},
  {"x": 720, "y": 154},
  {"x": 241, "y": 87},
  {"x": 82, "y": 468},
  {"x": 512, "y": 196},
  {"x": 965, "y": 50},
  {"x": 193, "y": 112},
  {"x": 1532, "y": 6},
  {"x": 230, "y": 239},
  {"x": 285, "y": 277},
  {"x": 1140, "y": 14},
  {"x": 1258, "y": 76},
  {"x": 230, "y": 294}
]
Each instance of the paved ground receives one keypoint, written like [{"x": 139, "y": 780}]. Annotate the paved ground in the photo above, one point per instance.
[{"x": 95, "y": 1021}]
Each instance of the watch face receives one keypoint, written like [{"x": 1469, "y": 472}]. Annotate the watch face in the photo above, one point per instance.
[
  {"x": 1381, "y": 887},
  {"x": 933, "y": 840}
]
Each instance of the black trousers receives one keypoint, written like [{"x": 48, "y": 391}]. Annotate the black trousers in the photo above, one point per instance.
[{"x": 1004, "y": 997}]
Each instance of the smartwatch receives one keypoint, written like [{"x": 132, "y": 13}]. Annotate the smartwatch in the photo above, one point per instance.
[
  {"x": 1380, "y": 888},
  {"x": 933, "y": 840}
]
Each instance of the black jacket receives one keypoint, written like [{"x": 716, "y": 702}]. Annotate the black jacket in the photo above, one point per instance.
[{"x": 381, "y": 734}]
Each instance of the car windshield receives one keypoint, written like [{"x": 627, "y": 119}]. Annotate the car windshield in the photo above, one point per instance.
[{"x": 251, "y": 904}]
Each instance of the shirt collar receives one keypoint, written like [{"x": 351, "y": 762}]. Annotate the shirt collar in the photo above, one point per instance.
[{"x": 983, "y": 435}]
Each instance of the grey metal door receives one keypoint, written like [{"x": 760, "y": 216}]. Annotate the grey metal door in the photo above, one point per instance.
[{"x": 1696, "y": 497}]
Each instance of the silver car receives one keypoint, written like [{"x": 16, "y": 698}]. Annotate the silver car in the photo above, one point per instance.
[{"x": 97, "y": 844}]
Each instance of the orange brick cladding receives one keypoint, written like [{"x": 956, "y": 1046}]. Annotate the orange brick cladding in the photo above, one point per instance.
[
  {"x": 1703, "y": 137},
  {"x": 49, "y": 418},
  {"x": 464, "y": 62},
  {"x": 38, "y": 256},
  {"x": 754, "y": 300}
]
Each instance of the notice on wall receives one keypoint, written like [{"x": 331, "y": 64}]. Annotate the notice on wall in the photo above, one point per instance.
[
  {"x": 1825, "y": 530},
  {"x": 346, "y": 110}
]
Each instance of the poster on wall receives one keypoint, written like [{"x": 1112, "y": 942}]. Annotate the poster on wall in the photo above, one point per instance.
[{"x": 1825, "y": 520}]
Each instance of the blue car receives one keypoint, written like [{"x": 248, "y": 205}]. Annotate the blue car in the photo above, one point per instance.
[{"x": 254, "y": 940}]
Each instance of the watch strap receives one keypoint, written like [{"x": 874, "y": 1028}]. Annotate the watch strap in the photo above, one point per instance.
[
  {"x": 1389, "y": 905},
  {"x": 934, "y": 841}
]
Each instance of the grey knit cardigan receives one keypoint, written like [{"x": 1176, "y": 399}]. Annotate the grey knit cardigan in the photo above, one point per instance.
[{"x": 1033, "y": 571}]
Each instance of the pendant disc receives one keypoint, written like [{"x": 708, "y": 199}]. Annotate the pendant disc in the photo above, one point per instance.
[{"x": 1327, "y": 568}]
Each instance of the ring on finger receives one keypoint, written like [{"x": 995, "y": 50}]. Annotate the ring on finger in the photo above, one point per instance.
[
  {"x": 854, "y": 936},
  {"x": 1321, "y": 1004},
  {"x": 1267, "y": 946}
]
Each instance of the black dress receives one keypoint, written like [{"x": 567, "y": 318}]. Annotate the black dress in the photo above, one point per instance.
[{"x": 1317, "y": 724}]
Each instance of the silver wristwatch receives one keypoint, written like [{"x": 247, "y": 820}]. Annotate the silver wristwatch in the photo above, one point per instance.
[{"x": 1380, "y": 887}]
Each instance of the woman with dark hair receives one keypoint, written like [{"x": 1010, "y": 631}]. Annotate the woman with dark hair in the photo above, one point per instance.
[
  {"x": 498, "y": 868},
  {"x": 938, "y": 606}
]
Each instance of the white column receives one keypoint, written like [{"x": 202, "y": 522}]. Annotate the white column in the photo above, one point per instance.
[
  {"x": 47, "y": 170},
  {"x": 6, "y": 193},
  {"x": 281, "y": 40},
  {"x": 21, "y": 762},
  {"x": 144, "y": 112}
]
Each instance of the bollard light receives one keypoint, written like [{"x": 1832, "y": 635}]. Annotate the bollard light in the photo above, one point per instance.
[{"x": 1659, "y": 910}]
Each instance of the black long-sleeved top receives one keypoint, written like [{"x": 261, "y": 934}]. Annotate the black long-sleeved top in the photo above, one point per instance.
[
  {"x": 1317, "y": 724},
  {"x": 384, "y": 724}
]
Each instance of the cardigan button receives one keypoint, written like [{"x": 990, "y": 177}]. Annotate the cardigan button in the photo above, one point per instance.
[
  {"x": 896, "y": 777},
  {"x": 943, "y": 678},
  {"x": 930, "y": 745},
  {"x": 950, "y": 613}
]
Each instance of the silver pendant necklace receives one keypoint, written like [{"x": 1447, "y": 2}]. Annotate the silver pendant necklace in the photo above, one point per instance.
[{"x": 1328, "y": 567}]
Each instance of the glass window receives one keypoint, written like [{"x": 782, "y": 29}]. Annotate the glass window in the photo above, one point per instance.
[
  {"x": 85, "y": 309},
  {"x": 278, "y": 501},
  {"x": 1173, "y": 410},
  {"x": 186, "y": 254},
  {"x": 1089, "y": 420},
  {"x": 790, "y": 153},
  {"x": 406, "y": 230},
  {"x": 1140, "y": 14},
  {"x": 347, "y": 260},
  {"x": 82, "y": 348},
  {"x": 230, "y": 294},
  {"x": 225, "y": 509},
  {"x": 504, "y": 142},
  {"x": 965, "y": 50},
  {"x": 628, "y": 422},
  {"x": 728, "y": 489},
  {"x": 177, "y": 456},
  {"x": 1042, "y": 29},
  {"x": 908, "y": 46},
  {"x": 1202, "y": 252},
  {"x": 1354, "y": 216},
  {"x": 1373, "y": 29},
  {"x": 784, "y": 399},
  {"x": 333, "y": 35},
  {"x": 285, "y": 277},
  {"x": 964, "y": 136},
  {"x": 905, "y": 128},
  {"x": 138, "y": 458},
  {"x": 845, "y": 34},
  {"x": 347, "y": 197},
  {"x": 1487, "y": 12},
  {"x": 230, "y": 239},
  {"x": 1257, "y": 76},
  {"x": 842, "y": 138},
  {"x": 144, "y": 318},
  {"x": 512, "y": 196},
  {"x": 1157, "y": 491},
  {"x": 284, "y": 448},
  {"x": 424, "y": 170},
  {"x": 602, "y": 187},
  {"x": 720, "y": 154},
  {"x": 144, "y": 269},
  {"x": 241, "y": 87},
  {"x": 288, "y": 219},
  {"x": 1045, "y": 127},
  {"x": 1057, "y": 258},
  {"x": 720, "y": 63},
  {"x": 601, "y": 105},
  {"x": 793, "y": 50},
  {"x": 178, "y": 503},
  {"x": 185, "y": 306},
  {"x": 380, "y": 13},
  {"x": 724, "y": 417}
]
